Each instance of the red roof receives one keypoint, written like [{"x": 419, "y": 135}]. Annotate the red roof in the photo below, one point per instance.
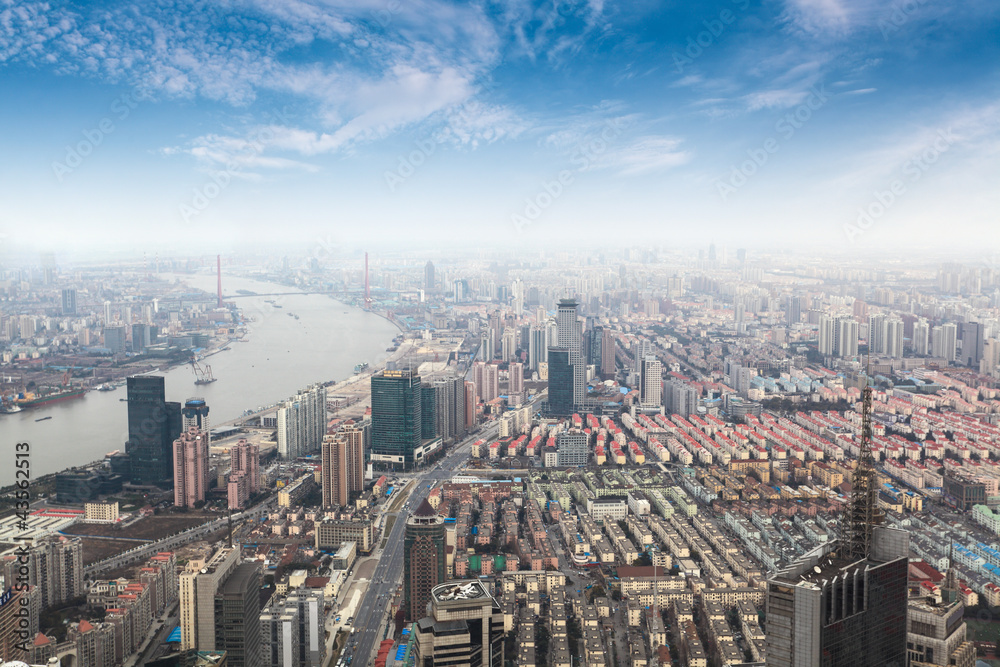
[
  {"x": 41, "y": 640},
  {"x": 85, "y": 626}
]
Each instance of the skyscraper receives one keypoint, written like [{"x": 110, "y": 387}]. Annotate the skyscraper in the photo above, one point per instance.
[
  {"x": 650, "y": 383},
  {"x": 244, "y": 477},
  {"x": 921, "y": 338},
  {"x": 197, "y": 598},
  {"x": 515, "y": 383},
  {"x": 537, "y": 347},
  {"x": 570, "y": 337},
  {"x": 465, "y": 626},
  {"x": 560, "y": 382},
  {"x": 195, "y": 413},
  {"x": 944, "y": 341},
  {"x": 429, "y": 276},
  {"x": 153, "y": 425},
  {"x": 829, "y": 610},
  {"x": 55, "y": 565},
  {"x": 396, "y": 417},
  {"x": 487, "y": 379},
  {"x": 293, "y": 630},
  {"x": 972, "y": 344},
  {"x": 343, "y": 464},
  {"x": 681, "y": 398},
  {"x": 190, "y": 468},
  {"x": 237, "y": 617},
  {"x": 69, "y": 302},
  {"x": 428, "y": 412},
  {"x": 302, "y": 422},
  {"x": 607, "y": 354},
  {"x": 423, "y": 559},
  {"x": 894, "y": 338}
]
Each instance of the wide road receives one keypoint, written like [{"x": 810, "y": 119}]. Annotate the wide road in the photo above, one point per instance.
[{"x": 371, "y": 613}]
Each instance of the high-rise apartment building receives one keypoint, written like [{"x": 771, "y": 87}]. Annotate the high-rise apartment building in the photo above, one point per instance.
[
  {"x": 515, "y": 383},
  {"x": 244, "y": 477},
  {"x": 55, "y": 565},
  {"x": 429, "y": 283},
  {"x": 486, "y": 377},
  {"x": 607, "y": 354},
  {"x": 115, "y": 338},
  {"x": 571, "y": 448},
  {"x": 471, "y": 415},
  {"x": 302, "y": 422},
  {"x": 936, "y": 631},
  {"x": 894, "y": 338},
  {"x": 423, "y": 559},
  {"x": 396, "y": 417},
  {"x": 190, "y": 468},
  {"x": 830, "y": 611},
  {"x": 343, "y": 464},
  {"x": 464, "y": 627},
  {"x": 292, "y": 630},
  {"x": 681, "y": 398},
  {"x": 153, "y": 425},
  {"x": 237, "y": 617},
  {"x": 921, "y": 338},
  {"x": 650, "y": 383},
  {"x": 944, "y": 341}
]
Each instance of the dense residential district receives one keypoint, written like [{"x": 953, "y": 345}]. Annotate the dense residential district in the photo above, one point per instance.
[{"x": 639, "y": 458}]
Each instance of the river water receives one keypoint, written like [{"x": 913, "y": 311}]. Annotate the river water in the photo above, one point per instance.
[{"x": 282, "y": 355}]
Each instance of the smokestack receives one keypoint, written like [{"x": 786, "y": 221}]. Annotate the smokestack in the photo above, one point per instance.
[{"x": 218, "y": 267}]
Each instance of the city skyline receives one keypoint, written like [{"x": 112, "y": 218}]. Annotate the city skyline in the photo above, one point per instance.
[{"x": 845, "y": 125}]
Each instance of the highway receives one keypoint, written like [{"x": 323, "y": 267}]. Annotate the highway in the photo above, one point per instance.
[{"x": 371, "y": 614}]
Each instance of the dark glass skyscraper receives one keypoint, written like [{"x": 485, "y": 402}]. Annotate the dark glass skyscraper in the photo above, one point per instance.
[
  {"x": 397, "y": 418},
  {"x": 428, "y": 412},
  {"x": 423, "y": 559},
  {"x": 237, "y": 617},
  {"x": 153, "y": 425},
  {"x": 560, "y": 382}
]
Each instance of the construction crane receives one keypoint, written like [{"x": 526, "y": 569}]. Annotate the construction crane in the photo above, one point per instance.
[{"x": 202, "y": 375}]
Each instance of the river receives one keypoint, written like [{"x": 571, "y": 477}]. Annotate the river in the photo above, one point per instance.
[{"x": 282, "y": 355}]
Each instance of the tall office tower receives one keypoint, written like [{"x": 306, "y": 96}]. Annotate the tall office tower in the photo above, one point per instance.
[
  {"x": 302, "y": 422},
  {"x": 429, "y": 283},
  {"x": 244, "y": 478},
  {"x": 944, "y": 341},
  {"x": 470, "y": 406},
  {"x": 396, "y": 417},
  {"x": 560, "y": 382},
  {"x": 650, "y": 383},
  {"x": 972, "y": 344},
  {"x": 114, "y": 338},
  {"x": 921, "y": 338},
  {"x": 607, "y": 362},
  {"x": 423, "y": 559},
  {"x": 832, "y": 610},
  {"x": 237, "y": 617},
  {"x": 487, "y": 380},
  {"x": 990, "y": 362},
  {"x": 153, "y": 425},
  {"x": 55, "y": 566},
  {"x": 197, "y": 600},
  {"x": 641, "y": 348},
  {"x": 456, "y": 407},
  {"x": 570, "y": 337},
  {"x": 741, "y": 255},
  {"x": 464, "y": 627},
  {"x": 141, "y": 337},
  {"x": 69, "y": 302},
  {"x": 190, "y": 468},
  {"x": 877, "y": 334},
  {"x": 711, "y": 252},
  {"x": 195, "y": 413},
  {"x": 827, "y": 335},
  {"x": 443, "y": 408},
  {"x": 571, "y": 448},
  {"x": 894, "y": 338},
  {"x": 537, "y": 347},
  {"x": 107, "y": 313},
  {"x": 681, "y": 398},
  {"x": 292, "y": 630},
  {"x": 428, "y": 413},
  {"x": 515, "y": 382},
  {"x": 343, "y": 464}
]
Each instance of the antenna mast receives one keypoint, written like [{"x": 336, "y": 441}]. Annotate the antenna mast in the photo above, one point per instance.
[{"x": 863, "y": 513}]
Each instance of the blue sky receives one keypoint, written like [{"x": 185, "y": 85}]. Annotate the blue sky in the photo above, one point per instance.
[{"x": 831, "y": 124}]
